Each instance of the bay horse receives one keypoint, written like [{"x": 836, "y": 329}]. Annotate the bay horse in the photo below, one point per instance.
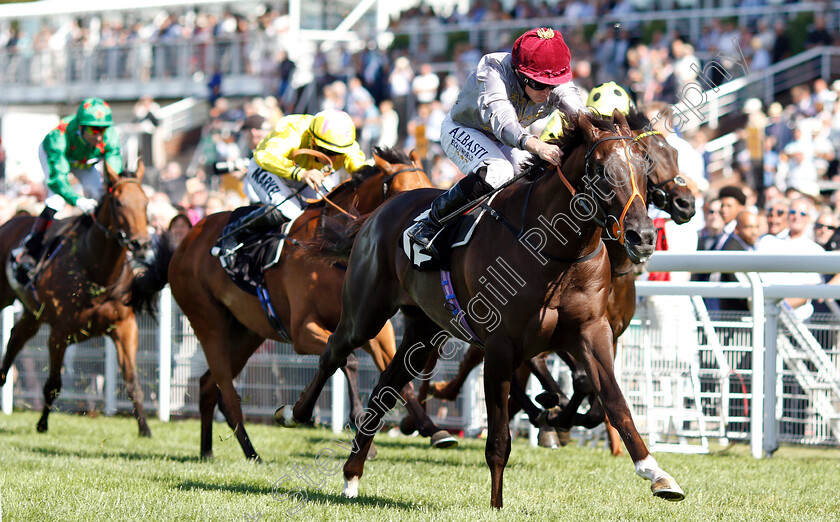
[
  {"x": 558, "y": 299},
  {"x": 667, "y": 191},
  {"x": 83, "y": 286},
  {"x": 231, "y": 325}
]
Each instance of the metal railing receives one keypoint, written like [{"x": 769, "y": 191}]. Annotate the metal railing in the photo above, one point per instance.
[{"x": 678, "y": 363}]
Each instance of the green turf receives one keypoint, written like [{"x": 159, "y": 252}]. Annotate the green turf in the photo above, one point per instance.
[{"x": 91, "y": 469}]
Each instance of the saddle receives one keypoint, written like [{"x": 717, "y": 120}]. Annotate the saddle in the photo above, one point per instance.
[{"x": 456, "y": 233}]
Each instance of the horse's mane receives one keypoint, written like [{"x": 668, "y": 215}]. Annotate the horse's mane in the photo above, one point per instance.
[
  {"x": 389, "y": 154},
  {"x": 571, "y": 137}
]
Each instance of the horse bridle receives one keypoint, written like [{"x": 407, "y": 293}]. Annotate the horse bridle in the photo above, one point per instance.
[
  {"x": 386, "y": 181},
  {"x": 614, "y": 226},
  {"x": 119, "y": 235},
  {"x": 656, "y": 194}
]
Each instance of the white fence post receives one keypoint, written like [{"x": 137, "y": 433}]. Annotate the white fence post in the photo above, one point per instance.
[
  {"x": 771, "y": 328},
  {"x": 759, "y": 375},
  {"x": 165, "y": 354},
  {"x": 110, "y": 377},
  {"x": 8, "y": 394},
  {"x": 337, "y": 411}
]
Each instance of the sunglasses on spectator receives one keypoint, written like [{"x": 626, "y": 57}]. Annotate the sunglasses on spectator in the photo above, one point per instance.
[
  {"x": 775, "y": 211},
  {"x": 537, "y": 86},
  {"x": 713, "y": 212},
  {"x": 820, "y": 226},
  {"x": 795, "y": 212},
  {"x": 96, "y": 130}
]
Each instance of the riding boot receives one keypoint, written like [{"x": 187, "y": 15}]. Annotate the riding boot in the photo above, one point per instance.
[
  {"x": 28, "y": 254},
  {"x": 424, "y": 230},
  {"x": 262, "y": 218}
]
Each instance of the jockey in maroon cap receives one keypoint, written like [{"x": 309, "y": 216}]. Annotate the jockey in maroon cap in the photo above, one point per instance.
[{"x": 485, "y": 132}]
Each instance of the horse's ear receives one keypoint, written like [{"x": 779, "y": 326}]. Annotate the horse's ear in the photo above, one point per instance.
[
  {"x": 415, "y": 158},
  {"x": 140, "y": 170},
  {"x": 381, "y": 163},
  {"x": 620, "y": 119},
  {"x": 585, "y": 123},
  {"x": 112, "y": 176}
]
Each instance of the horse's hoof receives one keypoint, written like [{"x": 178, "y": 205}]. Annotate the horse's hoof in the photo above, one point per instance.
[
  {"x": 41, "y": 427},
  {"x": 255, "y": 459},
  {"x": 548, "y": 400},
  {"x": 667, "y": 488},
  {"x": 564, "y": 436},
  {"x": 371, "y": 455},
  {"x": 146, "y": 433},
  {"x": 442, "y": 440},
  {"x": 407, "y": 426},
  {"x": 548, "y": 438},
  {"x": 206, "y": 456},
  {"x": 283, "y": 416},
  {"x": 351, "y": 487}
]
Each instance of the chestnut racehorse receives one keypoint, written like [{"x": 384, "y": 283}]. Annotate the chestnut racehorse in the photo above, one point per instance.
[
  {"x": 559, "y": 300},
  {"x": 667, "y": 191},
  {"x": 231, "y": 324},
  {"x": 84, "y": 285}
]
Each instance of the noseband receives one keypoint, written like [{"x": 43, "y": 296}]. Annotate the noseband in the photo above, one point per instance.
[
  {"x": 656, "y": 194},
  {"x": 614, "y": 226}
]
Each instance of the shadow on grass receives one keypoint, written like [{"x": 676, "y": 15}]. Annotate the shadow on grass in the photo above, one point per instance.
[
  {"x": 82, "y": 454},
  {"x": 309, "y": 495}
]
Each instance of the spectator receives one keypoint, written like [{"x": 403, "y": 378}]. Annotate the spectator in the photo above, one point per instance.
[
  {"x": 400, "y": 86},
  {"x": 732, "y": 202},
  {"x": 178, "y": 228},
  {"x": 777, "y": 222},
  {"x": 800, "y": 217},
  {"x": 709, "y": 234},
  {"x": 389, "y": 122},
  {"x": 824, "y": 230},
  {"x": 425, "y": 85},
  {"x": 744, "y": 239}
]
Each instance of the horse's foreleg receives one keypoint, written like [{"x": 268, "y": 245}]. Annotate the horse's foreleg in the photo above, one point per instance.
[
  {"x": 125, "y": 340},
  {"x": 408, "y": 362},
  {"x": 597, "y": 358},
  {"x": 553, "y": 395},
  {"x": 449, "y": 391},
  {"x": 24, "y": 330},
  {"x": 498, "y": 369},
  {"x": 52, "y": 387}
]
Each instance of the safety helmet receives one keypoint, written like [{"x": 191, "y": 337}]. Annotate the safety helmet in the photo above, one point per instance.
[
  {"x": 607, "y": 97},
  {"x": 333, "y": 130},
  {"x": 543, "y": 56},
  {"x": 94, "y": 112}
]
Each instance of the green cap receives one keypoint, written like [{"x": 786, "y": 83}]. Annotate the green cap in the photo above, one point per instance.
[{"x": 94, "y": 112}]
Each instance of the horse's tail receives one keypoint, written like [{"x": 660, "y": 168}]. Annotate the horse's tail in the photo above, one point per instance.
[
  {"x": 335, "y": 237},
  {"x": 150, "y": 276}
]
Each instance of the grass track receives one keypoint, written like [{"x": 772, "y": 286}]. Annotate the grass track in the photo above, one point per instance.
[{"x": 91, "y": 469}]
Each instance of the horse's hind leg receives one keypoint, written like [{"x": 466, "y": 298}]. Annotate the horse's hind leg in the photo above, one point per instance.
[
  {"x": 409, "y": 360},
  {"x": 449, "y": 391},
  {"x": 498, "y": 369},
  {"x": 356, "y": 326},
  {"x": 24, "y": 330},
  {"x": 125, "y": 340},
  {"x": 242, "y": 344},
  {"x": 207, "y": 401},
  {"x": 52, "y": 387},
  {"x": 597, "y": 358}
]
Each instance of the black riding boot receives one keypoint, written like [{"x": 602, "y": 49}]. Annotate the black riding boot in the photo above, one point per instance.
[
  {"x": 459, "y": 195},
  {"x": 262, "y": 218},
  {"x": 27, "y": 255}
]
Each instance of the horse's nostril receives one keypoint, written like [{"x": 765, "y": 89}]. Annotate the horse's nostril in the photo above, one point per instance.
[
  {"x": 632, "y": 237},
  {"x": 681, "y": 203}
]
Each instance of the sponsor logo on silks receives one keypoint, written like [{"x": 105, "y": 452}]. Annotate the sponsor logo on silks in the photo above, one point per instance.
[
  {"x": 267, "y": 181},
  {"x": 463, "y": 141}
]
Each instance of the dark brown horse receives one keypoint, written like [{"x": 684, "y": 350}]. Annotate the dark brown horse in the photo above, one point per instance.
[
  {"x": 556, "y": 298},
  {"x": 84, "y": 285},
  {"x": 667, "y": 191},
  {"x": 231, "y": 324}
]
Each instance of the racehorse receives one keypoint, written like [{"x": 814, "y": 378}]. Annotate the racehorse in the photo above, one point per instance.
[
  {"x": 667, "y": 191},
  {"x": 83, "y": 285},
  {"x": 556, "y": 298},
  {"x": 231, "y": 324}
]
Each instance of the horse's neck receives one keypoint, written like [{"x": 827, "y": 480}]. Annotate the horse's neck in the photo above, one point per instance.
[
  {"x": 102, "y": 257},
  {"x": 551, "y": 204},
  {"x": 619, "y": 260}
]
